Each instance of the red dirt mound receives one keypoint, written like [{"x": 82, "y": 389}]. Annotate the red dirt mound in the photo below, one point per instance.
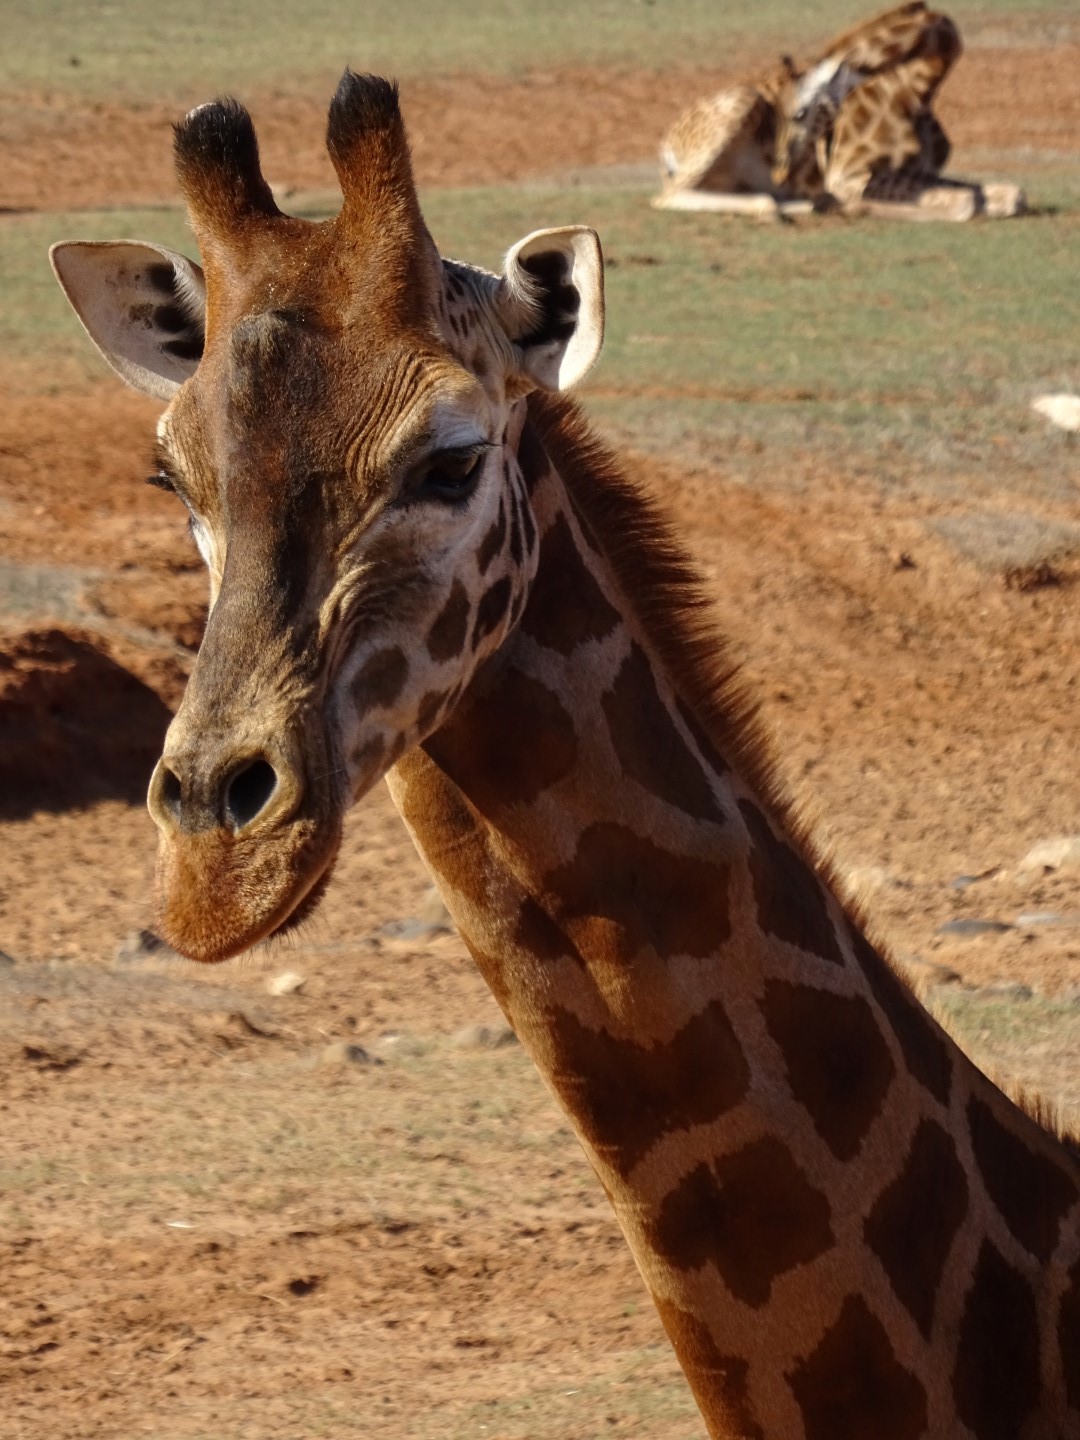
[{"x": 75, "y": 726}]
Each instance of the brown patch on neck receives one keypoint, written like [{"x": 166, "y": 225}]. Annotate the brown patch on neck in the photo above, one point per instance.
[
  {"x": 837, "y": 1062},
  {"x": 627, "y": 1096},
  {"x": 853, "y": 1387},
  {"x": 997, "y": 1377},
  {"x": 753, "y": 1214},
  {"x": 1032, "y": 1192}
]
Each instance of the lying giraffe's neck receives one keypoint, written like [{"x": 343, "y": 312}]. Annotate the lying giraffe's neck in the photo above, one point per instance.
[{"x": 847, "y": 1230}]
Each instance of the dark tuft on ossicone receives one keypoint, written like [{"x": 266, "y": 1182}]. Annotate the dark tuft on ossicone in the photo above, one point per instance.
[
  {"x": 362, "y": 105},
  {"x": 217, "y": 159}
]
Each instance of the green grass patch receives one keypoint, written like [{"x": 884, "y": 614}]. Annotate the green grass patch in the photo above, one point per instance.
[
  {"x": 920, "y": 344},
  {"x": 1032, "y": 1043}
]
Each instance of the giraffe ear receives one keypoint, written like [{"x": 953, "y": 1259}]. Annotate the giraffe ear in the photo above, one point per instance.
[
  {"x": 143, "y": 307},
  {"x": 551, "y": 303}
]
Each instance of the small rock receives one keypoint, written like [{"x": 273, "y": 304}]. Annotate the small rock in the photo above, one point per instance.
[
  {"x": 342, "y": 1053},
  {"x": 399, "y": 1043},
  {"x": 53, "y": 1056},
  {"x": 484, "y": 1037},
  {"x": 1061, "y": 853},
  {"x": 929, "y": 972},
  {"x": 287, "y": 983},
  {"x": 1008, "y": 990},
  {"x": 1046, "y": 917},
  {"x": 140, "y": 945},
  {"x": 230, "y": 1027},
  {"x": 1062, "y": 410},
  {"x": 968, "y": 925},
  {"x": 964, "y": 882},
  {"x": 432, "y": 918}
]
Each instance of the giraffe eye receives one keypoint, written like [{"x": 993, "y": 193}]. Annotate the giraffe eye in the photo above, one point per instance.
[
  {"x": 161, "y": 481},
  {"x": 452, "y": 475}
]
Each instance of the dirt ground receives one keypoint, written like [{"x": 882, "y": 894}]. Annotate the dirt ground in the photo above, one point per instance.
[{"x": 927, "y": 707}]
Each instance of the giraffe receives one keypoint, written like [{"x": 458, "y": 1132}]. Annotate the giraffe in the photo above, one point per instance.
[
  {"x": 423, "y": 566},
  {"x": 853, "y": 131},
  {"x": 858, "y": 125},
  {"x": 725, "y": 145}
]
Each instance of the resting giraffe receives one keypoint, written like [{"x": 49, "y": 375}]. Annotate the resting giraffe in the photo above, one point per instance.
[
  {"x": 423, "y": 566},
  {"x": 855, "y": 130}
]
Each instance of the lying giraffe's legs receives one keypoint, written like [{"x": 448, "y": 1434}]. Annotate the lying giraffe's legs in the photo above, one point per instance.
[
  {"x": 947, "y": 200},
  {"x": 723, "y": 203}
]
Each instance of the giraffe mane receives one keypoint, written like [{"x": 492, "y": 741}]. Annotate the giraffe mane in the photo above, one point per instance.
[{"x": 662, "y": 587}]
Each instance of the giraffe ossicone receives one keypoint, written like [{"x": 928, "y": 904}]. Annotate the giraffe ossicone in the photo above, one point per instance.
[{"x": 423, "y": 566}]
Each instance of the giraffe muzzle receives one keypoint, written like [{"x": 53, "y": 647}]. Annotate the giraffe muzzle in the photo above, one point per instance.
[{"x": 246, "y": 841}]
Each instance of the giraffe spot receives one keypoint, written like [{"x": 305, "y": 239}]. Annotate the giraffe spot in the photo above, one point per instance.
[
  {"x": 428, "y": 710},
  {"x": 447, "y": 634},
  {"x": 369, "y": 756},
  {"x": 853, "y": 1387},
  {"x": 491, "y": 610},
  {"x": 516, "y": 552},
  {"x": 719, "y": 1382},
  {"x": 914, "y": 1221},
  {"x": 753, "y": 1214},
  {"x": 537, "y": 933},
  {"x": 790, "y": 898},
  {"x": 492, "y": 542},
  {"x": 702, "y": 739},
  {"x": 648, "y": 745},
  {"x": 996, "y": 1379},
  {"x": 621, "y": 894},
  {"x": 567, "y": 606},
  {"x": 924, "y": 1047},
  {"x": 1069, "y": 1338},
  {"x": 626, "y": 1096},
  {"x": 381, "y": 679},
  {"x": 1031, "y": 1191},
  {"x": 838, "y": 1064},
  {"x": 519, "y": 741}
]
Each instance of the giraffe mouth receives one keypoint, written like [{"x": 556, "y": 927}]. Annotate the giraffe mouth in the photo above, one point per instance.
[
  {"x": 307, "y": 905},
  {"x": 217, "y": 897}
]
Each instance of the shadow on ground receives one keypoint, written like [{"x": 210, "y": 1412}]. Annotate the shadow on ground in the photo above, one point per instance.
[{"x": 75, "y": 727}]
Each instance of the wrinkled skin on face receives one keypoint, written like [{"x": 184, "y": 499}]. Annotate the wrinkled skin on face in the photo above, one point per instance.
[{"x": 344, "y": 409}]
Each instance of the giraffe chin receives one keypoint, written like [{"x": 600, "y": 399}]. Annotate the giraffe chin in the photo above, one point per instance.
[{"x": 217, "y": 896}]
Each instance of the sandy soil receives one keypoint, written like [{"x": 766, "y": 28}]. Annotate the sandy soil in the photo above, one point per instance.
[
  {"x": 925, "y": 705},
  {"x": 60, "y": 154}
]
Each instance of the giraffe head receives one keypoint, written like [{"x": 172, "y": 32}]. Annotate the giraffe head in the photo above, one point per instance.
[
  {"x": 807, "y": 106},
  {"x": 343, "y": 411}
]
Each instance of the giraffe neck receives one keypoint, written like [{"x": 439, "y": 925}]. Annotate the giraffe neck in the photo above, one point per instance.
[{"x": 823, "y": 1196}]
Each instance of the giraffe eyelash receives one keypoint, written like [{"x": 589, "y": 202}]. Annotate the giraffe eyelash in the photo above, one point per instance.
[{"x": 163, "y": 475}]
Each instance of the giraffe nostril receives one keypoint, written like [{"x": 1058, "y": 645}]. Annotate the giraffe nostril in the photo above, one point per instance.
[
  {"x": 248, "y": 793},
  {"x": 170, "y": 792}
]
